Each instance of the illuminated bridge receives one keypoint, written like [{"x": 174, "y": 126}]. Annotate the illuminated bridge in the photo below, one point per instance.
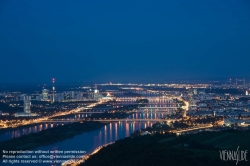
[
  {"x": 151, "y": 100},
  {"x": 110, "y": 120},
  {"x": 158, "y": 107},
  {"x": 89, "y": 112},
  {"x": 138, "y": 111}
]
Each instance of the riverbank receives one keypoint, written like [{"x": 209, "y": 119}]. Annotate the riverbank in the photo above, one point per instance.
[
  {"x": 75, "y": 162},
  {"x": 3, "y": 130},
  {"x": 168, "y": 149},
  {"x": 54, "y": 135},
  {"x": 49, "y": 136},
  {"x": 118, "y": 113}
]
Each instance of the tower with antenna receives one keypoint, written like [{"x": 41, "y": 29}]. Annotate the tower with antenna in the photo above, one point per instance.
[
  {"x": 53, "y": 90},
  {"x": 236, "y": 81}
]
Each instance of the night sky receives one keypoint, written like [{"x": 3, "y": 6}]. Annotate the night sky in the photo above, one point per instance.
[{"x": 105, "y": 41}]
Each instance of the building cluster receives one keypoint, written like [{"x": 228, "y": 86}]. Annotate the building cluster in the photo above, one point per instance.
[
  {"x": 26, "y": 108},
  {"x": 47, "y": 95},
  {"x": 64, "y": 100},
  {"x": 217, "y": 103},
  {"x": 94, "y": 94},
  {"x": 199, "y": 100},
  {"x": 62, "y": 96}
]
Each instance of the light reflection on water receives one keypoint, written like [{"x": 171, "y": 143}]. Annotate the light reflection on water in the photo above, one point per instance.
[
  {"x": 39, "y": 127},
  {"x": 27, "y": 130},
  {"x": 89, "y": 141}
]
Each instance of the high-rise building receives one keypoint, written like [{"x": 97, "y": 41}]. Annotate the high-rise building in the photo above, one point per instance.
[
  {"x": 26, "y": 108},
  {"x": 72, "y": 94},
  {"x": 97, "y": 95},
  {"x": 66, "y": 96},
  {"x": 190, "y": 94},
  {"x": 59, "y": 97},
  {"x": 247, "y": 93},
  {"x": 195, "y": 91},
  {"x": 78, "y": 95},
  {"x": 22, "y": 97},
  {"x": 27, "y": 104},
  {"x": 90, "y": 94},
  {"x": 45, "y": 95},
  {"x": 53, "y": 90}
]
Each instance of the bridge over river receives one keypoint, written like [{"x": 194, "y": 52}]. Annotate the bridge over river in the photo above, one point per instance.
[
  {"x": 139, "y": 111},
  {"x": 109, "y": 120}
]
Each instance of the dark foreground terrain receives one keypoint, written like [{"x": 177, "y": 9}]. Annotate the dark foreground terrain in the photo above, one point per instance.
[{"x": 202, "y": 149}]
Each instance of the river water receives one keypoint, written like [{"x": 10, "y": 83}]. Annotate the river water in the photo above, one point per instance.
[
  {"x": 87, "y": 141},
  {"x": 43, "y": 126},
  {"x": 27, "y": 130}
]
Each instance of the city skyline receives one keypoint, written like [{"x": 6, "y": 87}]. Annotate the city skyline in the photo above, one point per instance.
[{"x": 112, "y": 83}]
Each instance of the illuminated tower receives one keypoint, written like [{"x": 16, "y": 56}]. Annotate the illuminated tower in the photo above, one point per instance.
[
  {"x": 230, "y": 81},
  {"x": 53, "y": 89},
  {"x": 236, "y": 81}
]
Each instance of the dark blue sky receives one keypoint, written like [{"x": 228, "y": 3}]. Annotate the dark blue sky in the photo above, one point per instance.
[{"x": 123, "y": 40}]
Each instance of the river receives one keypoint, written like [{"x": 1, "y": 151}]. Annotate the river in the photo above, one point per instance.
[{"x": 88, "y": 141}]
